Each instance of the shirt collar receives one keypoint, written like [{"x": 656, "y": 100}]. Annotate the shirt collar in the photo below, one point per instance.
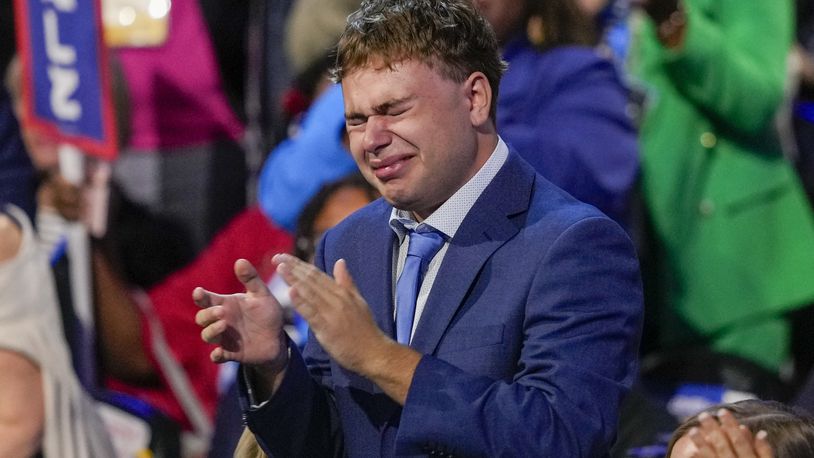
[{"x": 449, "y": 216}]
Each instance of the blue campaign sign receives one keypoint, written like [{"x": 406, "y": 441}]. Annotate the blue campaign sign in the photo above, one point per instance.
[{"x": 66, "y": 89}]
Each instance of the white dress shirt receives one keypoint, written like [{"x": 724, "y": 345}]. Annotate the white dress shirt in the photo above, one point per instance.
[{"x": 446, "y": 219}]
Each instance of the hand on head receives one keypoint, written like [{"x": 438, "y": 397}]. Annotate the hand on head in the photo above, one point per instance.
[
  {"x": 722, "y": 437},
  {"x": 746, "y": 429}
]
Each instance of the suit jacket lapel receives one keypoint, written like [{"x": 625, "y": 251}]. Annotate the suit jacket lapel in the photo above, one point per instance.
[
  {"x": 487, "y": 226},
  {"x": 375, "y": 283}
]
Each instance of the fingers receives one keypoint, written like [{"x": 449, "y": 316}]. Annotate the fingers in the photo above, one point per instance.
[
  {"x": 703, "y": 449},
  {"x": 247, "y": 274},
  {"x": 291, "y": 267},
  {"x": 762, "y": 447},
  {"x": 212, "y": 332},
  {"x": 210, "y": 315},
  {"x": 217, "y": 356},
  {"x": 313, "y": 292},
  {"x": 203, "y": 298},
  {"x": 738, "y": 435},
  {"x": 715, "y": 436},
  {"x": 724, "y": 437},
  {"x": 311, "y": 289},
  {"x": 300, "y": 273},
  {"x": 342, "y": 275},
  {"x": 304, "y": 278}
]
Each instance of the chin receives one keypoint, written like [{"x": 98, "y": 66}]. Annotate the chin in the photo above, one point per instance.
[{"x": 398, "y": 201}]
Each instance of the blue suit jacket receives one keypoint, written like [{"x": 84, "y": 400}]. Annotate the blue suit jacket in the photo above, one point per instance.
[{"x": 530, "y": 337}]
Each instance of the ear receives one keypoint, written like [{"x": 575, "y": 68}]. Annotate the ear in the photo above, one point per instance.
[{"x": 479, "y": 93}]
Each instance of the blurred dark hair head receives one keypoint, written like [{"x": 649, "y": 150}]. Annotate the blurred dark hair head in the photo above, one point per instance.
[{"x": 306, "y": 237}]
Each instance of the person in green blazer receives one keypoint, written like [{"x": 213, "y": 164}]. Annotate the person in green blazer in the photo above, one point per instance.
[{"x": 727, "y": 209}]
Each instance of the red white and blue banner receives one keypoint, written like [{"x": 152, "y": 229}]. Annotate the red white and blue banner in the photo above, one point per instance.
[{"x": 66, "y": 78}]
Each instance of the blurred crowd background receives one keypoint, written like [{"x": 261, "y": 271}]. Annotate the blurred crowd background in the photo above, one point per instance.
[{"x": 689, "y": 122}]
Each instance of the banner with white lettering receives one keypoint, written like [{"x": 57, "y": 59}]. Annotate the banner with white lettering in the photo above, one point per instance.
[{"x": 66, "y": 78}]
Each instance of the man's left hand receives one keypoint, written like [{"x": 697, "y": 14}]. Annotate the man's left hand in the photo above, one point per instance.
[{"x": 341, "y": 321}]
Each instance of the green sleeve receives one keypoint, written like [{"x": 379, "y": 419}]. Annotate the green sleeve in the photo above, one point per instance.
[{"x": 732, "y": 63}]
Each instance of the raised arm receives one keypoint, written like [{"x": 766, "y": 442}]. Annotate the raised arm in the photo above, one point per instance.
[
  {"x": 731, "y": 59},
  {"x": 22, "y": 409}
]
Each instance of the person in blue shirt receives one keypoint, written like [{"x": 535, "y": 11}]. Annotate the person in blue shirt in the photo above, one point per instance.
[
  {"x": 299, "y": 166},
  {"x": 562, "y": 104}
]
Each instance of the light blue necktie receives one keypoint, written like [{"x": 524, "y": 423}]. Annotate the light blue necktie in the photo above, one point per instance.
[{"x": 423, "y": 247}]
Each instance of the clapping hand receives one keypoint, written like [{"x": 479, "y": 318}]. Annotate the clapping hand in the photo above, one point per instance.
[
  {"x": 341, "y": 321},
  {"x": 336, "y": 313},
  {"x": 247, "y": 327}
]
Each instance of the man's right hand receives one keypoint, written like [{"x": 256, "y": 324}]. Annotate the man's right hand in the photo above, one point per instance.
[{"x": 247, "y": 327}]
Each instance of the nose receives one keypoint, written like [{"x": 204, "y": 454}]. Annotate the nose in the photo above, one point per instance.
[{"x": 377, "y": 136}]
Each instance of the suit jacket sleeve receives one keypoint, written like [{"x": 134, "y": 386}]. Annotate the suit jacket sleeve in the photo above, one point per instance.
[
  {"x": 578, "y": 358},
  {"x": 301, "y": 418}
]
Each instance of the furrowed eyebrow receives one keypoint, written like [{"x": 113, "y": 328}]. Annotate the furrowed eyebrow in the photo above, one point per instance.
[
  {"x": 354, "y": 116},
  {"x": 386, "y": 107},
  {"x": 381, "y": 109}
]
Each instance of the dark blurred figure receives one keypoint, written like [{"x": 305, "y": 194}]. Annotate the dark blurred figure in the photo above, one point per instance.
[
  {"x": 17, "y": 179},
  {"x": 803, "y": 128},
  {"x": 804, "y": 103}
]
